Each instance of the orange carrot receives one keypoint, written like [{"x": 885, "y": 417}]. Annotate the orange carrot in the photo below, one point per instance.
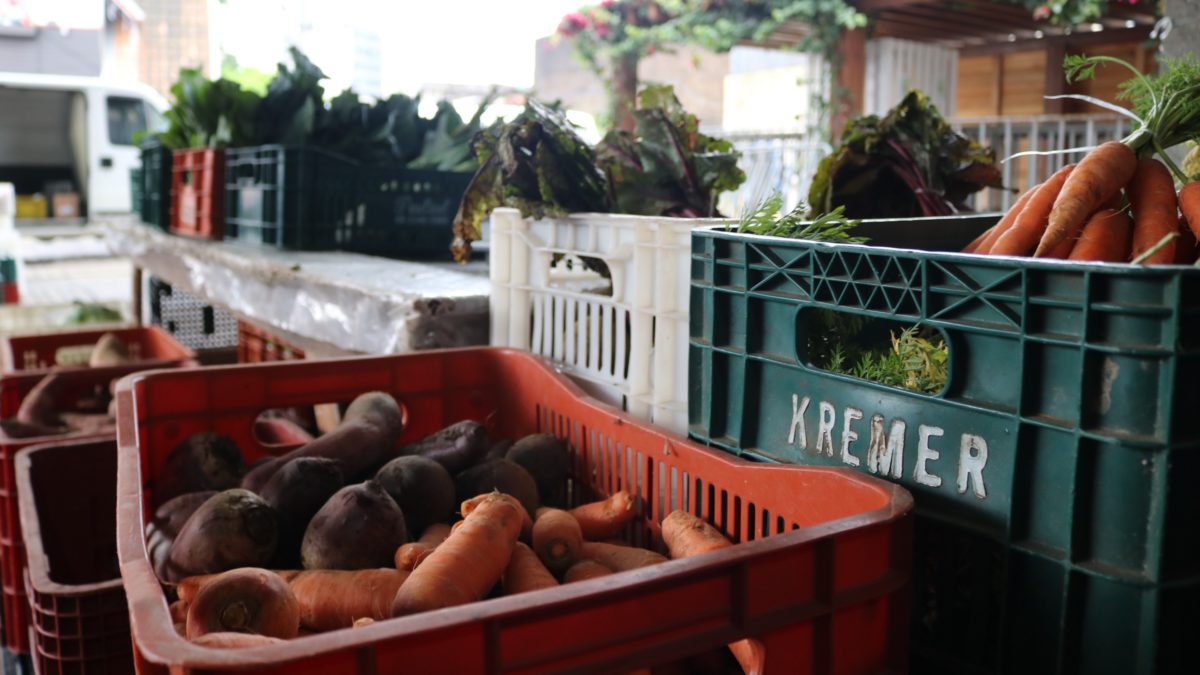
[
  {"x": 1189, "y": 203},
  {"x": 471, "y": 560},
  {"x": 246, "y": 600},
  {"x": 363, "y": 622},
  {"x": 584, "y": 570},
  {"x": 686, "y": 535},
  {"x": 178, "y": 611},
  {"x": 974, "y": 246},
  {"x": 333, "y": 599},
  {"x": 1105, "y": 238},
  {"x": 1097, "y": 177},
  {"x": 411, "y": 554},
  {"x": 605, "y": 518},
  {"x": 236, "y": 640},
  {"x": 1155, "y": 211},
  {"x": 525, "y": 572},
  {"x": 619, "y": 558},
  {"x": 1030, "y": 224},
  {"x": 188, "y": 587},
  {"x": 1006, "y": 222},
  {"x": 556, "y": 539}
]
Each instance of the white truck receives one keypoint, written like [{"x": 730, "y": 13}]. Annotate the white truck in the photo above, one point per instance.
[{"x": 67, "y": 142}]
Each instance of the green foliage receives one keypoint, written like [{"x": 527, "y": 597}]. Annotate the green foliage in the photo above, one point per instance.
[
  {"x": 447, "y": 143},
  {"x": 90, "y": 312},
  {"x": 908, "y": 163},
  {"x": 667, "y": 167},
  {"x": 209, "y": 113},
  {"x": 250, "y": 79},
  {"x": 764, "y": 219},
  {"x": 288, "y": 113},
  {"x": 916, "y": 358}
]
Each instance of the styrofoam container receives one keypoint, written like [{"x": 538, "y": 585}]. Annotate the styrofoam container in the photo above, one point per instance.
[{"x": 621, "y": 327}]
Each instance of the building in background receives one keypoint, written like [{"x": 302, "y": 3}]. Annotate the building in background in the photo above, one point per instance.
[
  {"x": 368, "y": 62},
  {"x": 90, "y": 38},
  {"x": 175, "y": 34}
]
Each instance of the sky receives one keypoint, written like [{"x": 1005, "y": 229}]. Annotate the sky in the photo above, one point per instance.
[{"x": 477, "y": 42}]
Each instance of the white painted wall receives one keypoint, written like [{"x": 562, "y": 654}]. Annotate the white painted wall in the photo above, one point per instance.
[{"x": 894, "y": 67}]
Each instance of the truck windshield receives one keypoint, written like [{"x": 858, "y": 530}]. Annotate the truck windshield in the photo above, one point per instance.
[{"x": 126, "y": 117}]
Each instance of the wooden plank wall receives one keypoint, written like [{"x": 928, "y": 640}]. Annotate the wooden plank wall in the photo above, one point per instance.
[{"x": 1014, "y": 82}]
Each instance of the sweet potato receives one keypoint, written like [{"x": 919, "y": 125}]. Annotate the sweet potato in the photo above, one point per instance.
[
  {"x": 236, "y": 640},
  {"x": 234, "y": 528},
  {"x": 359, "y": 527},
  {"x": 456, "y": 447},
  {"x": 110, "y": 350},
  {"x": 203, "y": 461},
  {"x": 366, "y": 437},
  {"x": 422, "y": 488},
  {"x": 501, "y": 475},
  {"x": 296, "y": 492},
  {"x": 546, "y": 458},
  {"x": 245, "y": 600}
]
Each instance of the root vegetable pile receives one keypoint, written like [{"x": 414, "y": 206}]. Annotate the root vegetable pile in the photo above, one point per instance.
[{"x": 353, "y": 528}]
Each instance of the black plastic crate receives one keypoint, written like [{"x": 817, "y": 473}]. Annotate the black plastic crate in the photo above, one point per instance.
[
  {"x": 155, "y": 207},
  {"x": 190, "y": 320},
  {"x": 1056, "y": 529},
  {"x": 307, "y": 199}
]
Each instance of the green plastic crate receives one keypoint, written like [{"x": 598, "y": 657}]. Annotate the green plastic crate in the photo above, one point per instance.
[
  {"x": 155, "y": 206},
  {"x": 135, "y": 190},
  {"x": 1056, "y": 532},
  {"x": 8, "y": 282},
  {"x": 307, "y": 199}
]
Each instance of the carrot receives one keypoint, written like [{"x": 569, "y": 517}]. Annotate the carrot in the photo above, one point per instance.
[
  {"x": 178, "y": 610},
  {"x": 1185, "y": 246},
  {"x": 246, "y": 600},
  {"x": 471, "y": 560},
  {"x": 974, "y": 246},
  {"x": 1189, "y": 203},
  {"x": 363, "y": 622},
  {"x": 410, "y": 555},
  {"x": 526, "y": 517},
  {"x": 1030, "y": 223},
  {"x": 1105, "y": 238},
  {"x": 525, "y": 572},
  {"x": 187, "y": 588},
  {"x": 686, "y": 535},
  {"x": 333, "y": 599},
  {"x": 1097, "y": 177},
  {"x": 236, "y": 640},
  {"x": 605, "y": 518},
  {"x": 1155, "y": 210},
  {"x": 556, "y": 538},
  {"x": 1006, "y": 222},
  {"x": 619, "y": 558},
  {"x": 584, "y": 570}
]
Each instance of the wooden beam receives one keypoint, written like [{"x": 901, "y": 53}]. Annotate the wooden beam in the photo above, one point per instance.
[
  {"x": 1072, "y": 41},
  {"x": 943, "y": 18},
  {"x": 868, "y": 6},
  {"x": 850, "y": 79}
]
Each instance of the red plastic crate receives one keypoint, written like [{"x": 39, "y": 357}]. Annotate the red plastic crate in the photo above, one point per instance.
[
  {"x": 198, "y": 193},
  {"x": 259, "y": 346},
  {"x": 11, "y": 293},
  {"x": 827, "y": 594},
  {"x": 82, "y": 383},
  {"x": 151, "y": 346},
  {"x": 67, "y": 498}
]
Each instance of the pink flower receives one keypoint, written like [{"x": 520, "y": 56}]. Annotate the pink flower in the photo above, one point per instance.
[
  {"x": 1042, "y": 13},
  {"x": 607, "y": 4},
  {"x": 602, "y": 30},
  {"x": 572, "y": 24}
]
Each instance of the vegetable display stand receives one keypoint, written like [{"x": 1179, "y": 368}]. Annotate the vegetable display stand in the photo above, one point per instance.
[
  {"x": 149, "y": 347},
  {"x": 306, "y": 199},
  {"x": 1055, "y": 522},
  {"x": 198, "y": 193},
  {"x": 825, "y": 592},
  {"x": 155, "y": 188},
  {"x": 258, "y": 346},
  {"x": 603, "y": 295},
  {"x": 81, "y": 384},
  {"x": 9, "y": 294},
  {"x": 80, "y": 623}
]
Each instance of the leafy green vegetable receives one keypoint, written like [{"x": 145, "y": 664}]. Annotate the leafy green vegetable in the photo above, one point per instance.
[
  {"x": 916, "y": 359},
  {"x": 668, "y": 167},
  {"x": 447, "y": 145},
  {"x": 908, "y": 163},
  {"x": 764, "y": 219},
  {"x": 288, "y": 113},
  {"x": 536, "y": 163},
  {"x": 209, "y": 113},
  {"x": 90, "y": 312}
]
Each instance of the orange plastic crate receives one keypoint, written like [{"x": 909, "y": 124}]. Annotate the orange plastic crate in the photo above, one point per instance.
[
  {"x": 198, "y": 193},
  {"x": 828, "y": 593},
  {"x": 80, "y": 622},
  {"x": 259, "y": 346},
  {"x": 150, "y": 345},
  {"x": 12, "y": 547}
]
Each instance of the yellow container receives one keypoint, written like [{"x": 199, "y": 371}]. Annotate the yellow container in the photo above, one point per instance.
[{"x": 32, "y": 206}]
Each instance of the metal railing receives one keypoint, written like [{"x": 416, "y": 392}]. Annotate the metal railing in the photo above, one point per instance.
[{"x": 783, "y": 163}]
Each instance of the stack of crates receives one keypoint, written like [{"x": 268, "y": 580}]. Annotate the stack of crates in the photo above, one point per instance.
[{"x": 190, "y": 320}]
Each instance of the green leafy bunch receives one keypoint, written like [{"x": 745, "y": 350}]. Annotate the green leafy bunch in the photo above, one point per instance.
[
  {"x": 916, "y": 358},
  {"x": 667, "y": 167},
  {"x": 209, "y": 113},
  {"x": 765, "y": 219}
]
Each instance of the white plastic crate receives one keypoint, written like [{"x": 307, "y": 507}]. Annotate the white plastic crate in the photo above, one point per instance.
[{"x": 622, "y": 332}]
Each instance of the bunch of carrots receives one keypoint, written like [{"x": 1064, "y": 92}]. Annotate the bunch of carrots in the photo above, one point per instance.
[{"x": 1119, "y": 203}]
